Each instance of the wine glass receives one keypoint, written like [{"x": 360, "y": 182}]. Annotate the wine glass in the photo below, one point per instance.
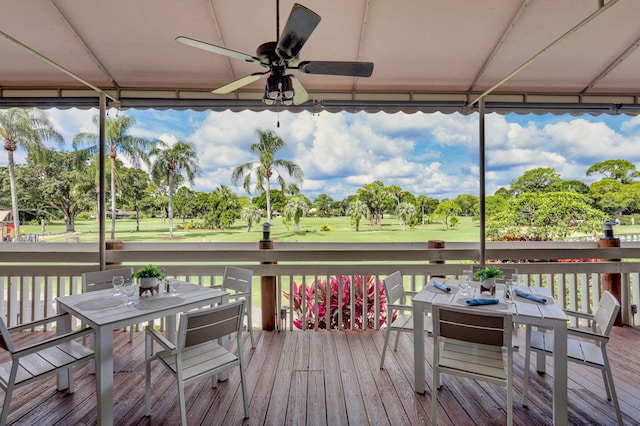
[
  {"x": 509, "y": 291},
  {"x": 173, "y": 286},
  {"x": 129, "y": 289},
  {"x": 464, "y": 283},
  {"x": 515, "y": 278},
  {"x": 117, "y": 283}
]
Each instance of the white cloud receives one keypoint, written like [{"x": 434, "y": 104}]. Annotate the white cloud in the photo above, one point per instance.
[{"x": 434, "y": 154}]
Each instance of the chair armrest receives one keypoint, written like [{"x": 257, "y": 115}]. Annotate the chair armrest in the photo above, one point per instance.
[
  {"x": 49, "y": 343},
  {"x": 578, "y": 314},
  {"x": 587, "y": 335},
  {"x": 163, "y": 341},
  {"x": 37, "y": 323},
  {"x": 400, "y": 307}
]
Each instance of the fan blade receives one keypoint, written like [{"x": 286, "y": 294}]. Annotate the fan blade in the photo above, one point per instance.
[
  {"x": 300, "y": 95},
  {"x": 354, "y": 69},
  {"x": 299, "y": 26},
  {"x": 216, "y": 49},
  {"x": 241, "y": 82}
]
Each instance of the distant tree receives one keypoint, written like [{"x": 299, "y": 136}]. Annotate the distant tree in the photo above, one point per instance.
[
  {"x": 224, "y": 208},
  {"x": 59, "y": 183},
  {"x": 376, "y": 196},
  {"x": 278, "y": 201},
  {"x": 426, "y": 205},
  {"x": 468, "y": 203},
  {"x": 26, "y": 129},
  {"x": 545, "y": 216},
  {"x": 135, "y": 186},
  {"x": 615, "y": 197},
  {"x": 291, "y": 189},
  {"x": 184, "y": 203},
  {"x": 621, "y": 170},
  {"x": 542, "y": 179},
  {"x": 404, "y": 213},
  {"x": 357, "y": 210},
  {"x": 445, "y": 210},
  {"x": 266, "y": 167},
  {"x": 251, "y": 214},
  {"x": 296, "y": 208},
  {"x": 170, "y": 161},
  {"x": 118, "y": 141},
  {"x": 396, "y": 192},
  {"x": 571, "y": 186},
  {"x": 323, "y": 204}
]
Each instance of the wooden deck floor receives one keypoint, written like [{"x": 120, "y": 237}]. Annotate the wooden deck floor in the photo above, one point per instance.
[{"x": 332, "y": 378}]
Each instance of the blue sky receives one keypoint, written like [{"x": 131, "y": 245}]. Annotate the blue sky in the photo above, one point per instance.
[{"x": 431, "y": 154}]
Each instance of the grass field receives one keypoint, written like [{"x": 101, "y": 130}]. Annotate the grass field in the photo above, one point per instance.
[{"x": 156, "y": 230}]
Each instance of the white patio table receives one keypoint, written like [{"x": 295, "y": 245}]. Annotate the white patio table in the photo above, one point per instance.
[
  {"x": 525, "y": 311},
  {"x": 104, "y": 312}
]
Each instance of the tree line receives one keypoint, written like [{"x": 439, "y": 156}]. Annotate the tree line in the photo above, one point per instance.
[{"x": 59, "y": 184}]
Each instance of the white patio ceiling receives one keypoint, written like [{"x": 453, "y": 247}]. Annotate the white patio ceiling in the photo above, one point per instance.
[{"x": 429, "y": 55}]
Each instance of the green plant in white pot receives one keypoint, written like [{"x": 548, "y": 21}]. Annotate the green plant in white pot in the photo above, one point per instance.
[
  {"x": 487, "y": 277},
  {"x": 148, "y": 276}
]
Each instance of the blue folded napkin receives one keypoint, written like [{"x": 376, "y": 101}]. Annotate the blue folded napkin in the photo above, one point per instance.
[
  {"x": 482, "y": 301},
  {"x": 530, "y": 296},
  {"x": 441, "y": 286}
]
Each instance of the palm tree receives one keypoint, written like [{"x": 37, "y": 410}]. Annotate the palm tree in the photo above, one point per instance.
[
  {"x": 296, "y": 207},
  {"x": 266, "y": 166},
  {"x": 118, "y": 141},
  {"x": 357, "y": 210},
  {"x": 26, "y": 129},
  {"x": 171, "y": 161},
  {"x": 404, "y": 212},
  {"x": 251, "y": 214}
]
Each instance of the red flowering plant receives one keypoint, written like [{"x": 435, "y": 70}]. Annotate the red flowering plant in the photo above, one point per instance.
[{"x": 315, "y": 296}]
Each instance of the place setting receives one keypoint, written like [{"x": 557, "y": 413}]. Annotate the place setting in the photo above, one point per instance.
[{"x": 442, "y": 286}]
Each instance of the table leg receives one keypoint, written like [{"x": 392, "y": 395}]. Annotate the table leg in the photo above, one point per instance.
[
  {"x": 418, "y": 347},
  {"x": 560, "y": 392},
  {"x": 104, "y": 375},
  {"x": 63, "y": 326}
]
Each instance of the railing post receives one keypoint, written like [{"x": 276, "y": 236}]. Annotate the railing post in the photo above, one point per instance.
[
  {"x": 114, "y": 245},
  {"x": 267, "y": 284},
  {"x": 436, "y": 244},
  {"x": 611, "y": 282}
]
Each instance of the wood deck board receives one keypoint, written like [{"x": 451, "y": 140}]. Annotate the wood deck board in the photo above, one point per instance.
[{"x": 331, "y": 377}]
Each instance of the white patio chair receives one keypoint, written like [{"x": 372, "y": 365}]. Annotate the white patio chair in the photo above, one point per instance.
[
  {"x": 237, "y": 282},
  {"x": 102, "y": 280},
  {"x": 197, "y": 353},
  {"x": 586, "y": 347},
  {"x": 472, "y": 343},
  {"x": 34, "y": 362},
  {"x": 397, "y": 298}
]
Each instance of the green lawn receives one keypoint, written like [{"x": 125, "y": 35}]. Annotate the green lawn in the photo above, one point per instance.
[{"x": 156, "y": 230}]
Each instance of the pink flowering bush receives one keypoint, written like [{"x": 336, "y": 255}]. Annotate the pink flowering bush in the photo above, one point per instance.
[{"x": 363, "y": 292}]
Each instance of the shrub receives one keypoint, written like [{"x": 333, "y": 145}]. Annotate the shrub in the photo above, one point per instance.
[{"x": 364, "y": 292}]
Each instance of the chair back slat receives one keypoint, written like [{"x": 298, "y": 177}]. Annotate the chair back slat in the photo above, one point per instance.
[
  {"x": 393, "y": 287},
  {"x": 5, "y": 338},
  {"x": 209, "y": 324},
  {"x": 237, "y": 279},
  {"x": 606, "y": 312},
  {"x": 474, "y": 327},
  {"x": 101, "y": 280}
]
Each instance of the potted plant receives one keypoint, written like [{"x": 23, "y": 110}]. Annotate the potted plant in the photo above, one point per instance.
[
  {"x": 487, "y": 277},
  {"x": 148, "y": 276}
]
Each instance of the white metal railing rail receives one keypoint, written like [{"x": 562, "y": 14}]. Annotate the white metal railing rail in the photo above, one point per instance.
[{"x": 33, "y": 275}]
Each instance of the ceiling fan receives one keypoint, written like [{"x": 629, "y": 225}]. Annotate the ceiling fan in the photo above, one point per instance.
[{"x": 281, "y": 56}]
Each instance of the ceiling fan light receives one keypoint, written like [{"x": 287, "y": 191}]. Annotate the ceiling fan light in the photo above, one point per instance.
[
  {"x": 287, "y": 101},
  {"x": 272, "y": 89},
  {"x": 267, "y": 100},
  {"x": 287, "y": 87}
]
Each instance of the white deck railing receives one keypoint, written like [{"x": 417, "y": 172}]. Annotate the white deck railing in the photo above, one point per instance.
[{"x": 33, "y": 275}]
